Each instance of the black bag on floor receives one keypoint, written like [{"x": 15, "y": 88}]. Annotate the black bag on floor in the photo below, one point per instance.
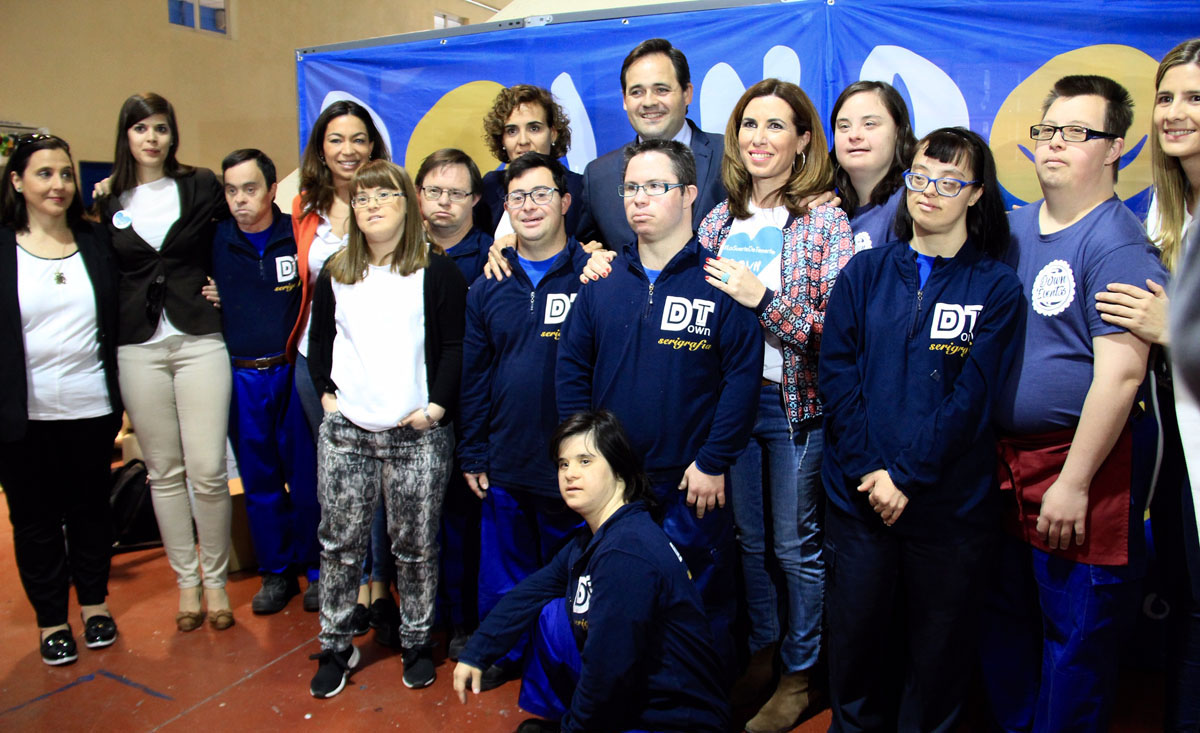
[{"x": 134, "y": 525}]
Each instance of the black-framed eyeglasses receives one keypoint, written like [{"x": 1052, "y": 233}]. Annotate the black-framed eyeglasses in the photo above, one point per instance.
[
  {"x": 541, "y": 196},
  {"x": 948, "y": 187},
  {"x": 35, "y": 137},
  {"x": 653, "y": 188},
  {"x": 433, "y": 193},
  {"x": 359, "y": 200},
  {"x": 1070, "y": 133}
]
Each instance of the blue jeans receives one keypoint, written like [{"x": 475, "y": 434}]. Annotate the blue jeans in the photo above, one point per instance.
[{"x": 779, "y": 477}]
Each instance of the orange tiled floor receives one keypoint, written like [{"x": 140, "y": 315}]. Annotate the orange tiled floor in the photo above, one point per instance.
[{"x": 255, "y": 675}]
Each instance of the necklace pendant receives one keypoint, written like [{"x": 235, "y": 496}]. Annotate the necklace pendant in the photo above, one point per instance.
[{"x": 60, "y": 279}]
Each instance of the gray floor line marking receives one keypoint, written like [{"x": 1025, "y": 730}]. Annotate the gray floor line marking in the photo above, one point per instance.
[{"x": 235, "y": 683}]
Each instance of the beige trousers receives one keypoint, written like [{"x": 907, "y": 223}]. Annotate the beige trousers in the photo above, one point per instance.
[{"x": 177, "y": 394}]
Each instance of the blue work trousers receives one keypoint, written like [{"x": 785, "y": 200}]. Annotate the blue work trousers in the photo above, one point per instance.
[
  {"x": 1052, "y": 636},
  {"x": 274, "y": 447}
]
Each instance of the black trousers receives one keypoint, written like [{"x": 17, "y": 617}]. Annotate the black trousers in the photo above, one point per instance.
[
  {"x": 59, "y": 474},
  {"x": 902, "y": 618}
]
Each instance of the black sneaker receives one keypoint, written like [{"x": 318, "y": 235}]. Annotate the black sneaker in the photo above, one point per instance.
[
  {"x": 59, "y": 648},
  {"x": 538, "y": 725},
  {"x": 360, "y": 620},
  {"x": 312, "y": 596},
  {"x": 99, "y": 631},
  {"x": 385, "y": 619},
  {"x": 333, "y": 669},
  {"x": 495, "y": 675},
  {"x": 277, "y": 589},
  {"x": 458, "y": 641},
  {"x": 418, "y": 668}
]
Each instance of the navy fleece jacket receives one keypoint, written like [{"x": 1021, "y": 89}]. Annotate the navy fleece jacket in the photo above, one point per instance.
[
  {"x": 678, "y": 361},
  {"x": 260, "y": 294},
  {"x": 910, "y": 377},
  {"x": 470, "y": 254},
  {"x": 648, "y": 656},
  {"x": 508, "y": 410}
]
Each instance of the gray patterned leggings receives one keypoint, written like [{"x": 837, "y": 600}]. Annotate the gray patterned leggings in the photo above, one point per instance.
[{"x": 409, "y": 469}]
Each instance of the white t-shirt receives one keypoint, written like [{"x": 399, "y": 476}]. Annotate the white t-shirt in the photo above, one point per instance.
[
  {"x": 379, "y": 348},
  {"x": 757, "y": 242},
  {"x": 154, "y": 209},
  {"x": 324, "y": 245},
  {"x": 63, "y": 371}
]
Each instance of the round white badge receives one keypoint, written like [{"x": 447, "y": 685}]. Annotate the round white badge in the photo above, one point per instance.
[
  {"x": 1053, "y": 288},
  {"x": 121, "y": 220}
]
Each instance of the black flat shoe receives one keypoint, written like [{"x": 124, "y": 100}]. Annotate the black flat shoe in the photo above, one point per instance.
[
  {"x": 59, "y": 648},
  {"x": 99, "y": 631}
]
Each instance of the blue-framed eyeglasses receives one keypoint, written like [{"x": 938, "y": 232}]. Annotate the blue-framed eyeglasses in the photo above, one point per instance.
[{"x": 948, "y": 187}]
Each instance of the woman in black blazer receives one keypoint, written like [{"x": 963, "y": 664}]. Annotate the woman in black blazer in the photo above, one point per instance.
[
  {"x": 59, "y": 403},
  {"x": 174, "y": 369}
]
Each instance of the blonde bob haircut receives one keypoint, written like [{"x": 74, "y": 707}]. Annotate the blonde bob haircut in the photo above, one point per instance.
[
  {"x": 812, "y": 172},
  {"x": 411, "y": 253},
  {"x": 1170, "y": 182}
]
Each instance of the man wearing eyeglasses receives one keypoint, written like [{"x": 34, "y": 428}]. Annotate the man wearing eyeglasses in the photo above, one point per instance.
[
  {"x": 678, "y": 362},
  {"x": 449, "y": 185},
  {"x": 508, "y": 410},
  {"x": 1066, "y": 415},
  {"x": 657, "y": 88}
]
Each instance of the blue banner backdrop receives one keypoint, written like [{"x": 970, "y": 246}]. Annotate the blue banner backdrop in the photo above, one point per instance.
[{"x": 985, "y": 64}]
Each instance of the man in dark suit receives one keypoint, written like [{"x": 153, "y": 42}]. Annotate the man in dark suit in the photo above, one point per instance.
[{"x": 657, "y": 86}]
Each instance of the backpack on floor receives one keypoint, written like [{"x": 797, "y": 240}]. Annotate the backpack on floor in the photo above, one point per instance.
[{"x": 134, "y": 525}]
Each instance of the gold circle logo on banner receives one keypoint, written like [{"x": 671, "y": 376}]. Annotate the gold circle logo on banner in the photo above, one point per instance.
[
  {"x": 1010, "y": 130},
  {"x": 455, "y": 121}
]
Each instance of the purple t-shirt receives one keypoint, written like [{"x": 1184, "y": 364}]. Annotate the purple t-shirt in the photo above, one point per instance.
[
  {"x": 1060, "y": 275},
  {"x": 872, "y": 225}
]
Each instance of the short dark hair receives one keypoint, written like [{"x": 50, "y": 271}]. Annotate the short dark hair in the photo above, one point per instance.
[
  {"x": 316, "y": 182},
  {"x": 1118, "y": 103},
  {"x": 265, "y": 164},
  {"x": 135, "y": 109},
  {"x": 512, "y": 97},
  {"x": 987, "y": 222},
  {"x": 902, "y": 154},
  {"x": 683, "y": 74},
  {"x": 531, "y": 160},
  {"x": 13, "y": 212},
  {"x": 449, "y": 156},
  {"x": 611, "y": 440},
  {"x": 682, "y": 160}
]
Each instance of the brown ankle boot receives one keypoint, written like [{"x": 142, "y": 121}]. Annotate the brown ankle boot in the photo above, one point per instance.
[
  {"x": 785, "y": 708},
  {"x": 754, "y": 684}
]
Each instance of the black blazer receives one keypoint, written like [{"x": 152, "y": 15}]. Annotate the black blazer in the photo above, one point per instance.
[
  {"x": 170, "y": 278},
  {"x": 445, "y": 321},
  {"x": 604, "y": 211},
  {"x": 102, "y": 270}
]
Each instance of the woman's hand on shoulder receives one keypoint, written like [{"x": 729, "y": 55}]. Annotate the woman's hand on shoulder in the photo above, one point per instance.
[
  {"x": 819, "y": 199},
  {"x": 1142, "y": 312},
  {"x": 598, "y": 265},
  {"x": 497, "y": 267}
]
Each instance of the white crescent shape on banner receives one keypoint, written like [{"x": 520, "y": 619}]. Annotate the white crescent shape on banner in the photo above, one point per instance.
[
  {"x": 936, "y": 99},
  {"x": 337, "y": 95},
  {"x": 719, "y": 93},
  {"x": 781, "y": 62},
  {"x": 583, "y": 140}
]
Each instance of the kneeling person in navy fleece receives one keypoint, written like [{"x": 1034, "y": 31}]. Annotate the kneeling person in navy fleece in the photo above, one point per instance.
[
  {"x": 508, "y": 406},
  {"x": 634, "y": 644},
  {"x": 678, "y": 361}
]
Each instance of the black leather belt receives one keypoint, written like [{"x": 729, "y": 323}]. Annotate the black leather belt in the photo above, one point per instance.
[{"x": 261, "y": 364}]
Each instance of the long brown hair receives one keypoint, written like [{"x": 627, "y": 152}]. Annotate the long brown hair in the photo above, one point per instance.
[
  {"x": 316, "y": 182},
  {"x": 902, "y": 153},
  {"x": 811, "y": 173},
  {"x": 134, "y": 110},
  {"x": 350, "y": 264},
  {"x": 1170, "y": 182}
]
